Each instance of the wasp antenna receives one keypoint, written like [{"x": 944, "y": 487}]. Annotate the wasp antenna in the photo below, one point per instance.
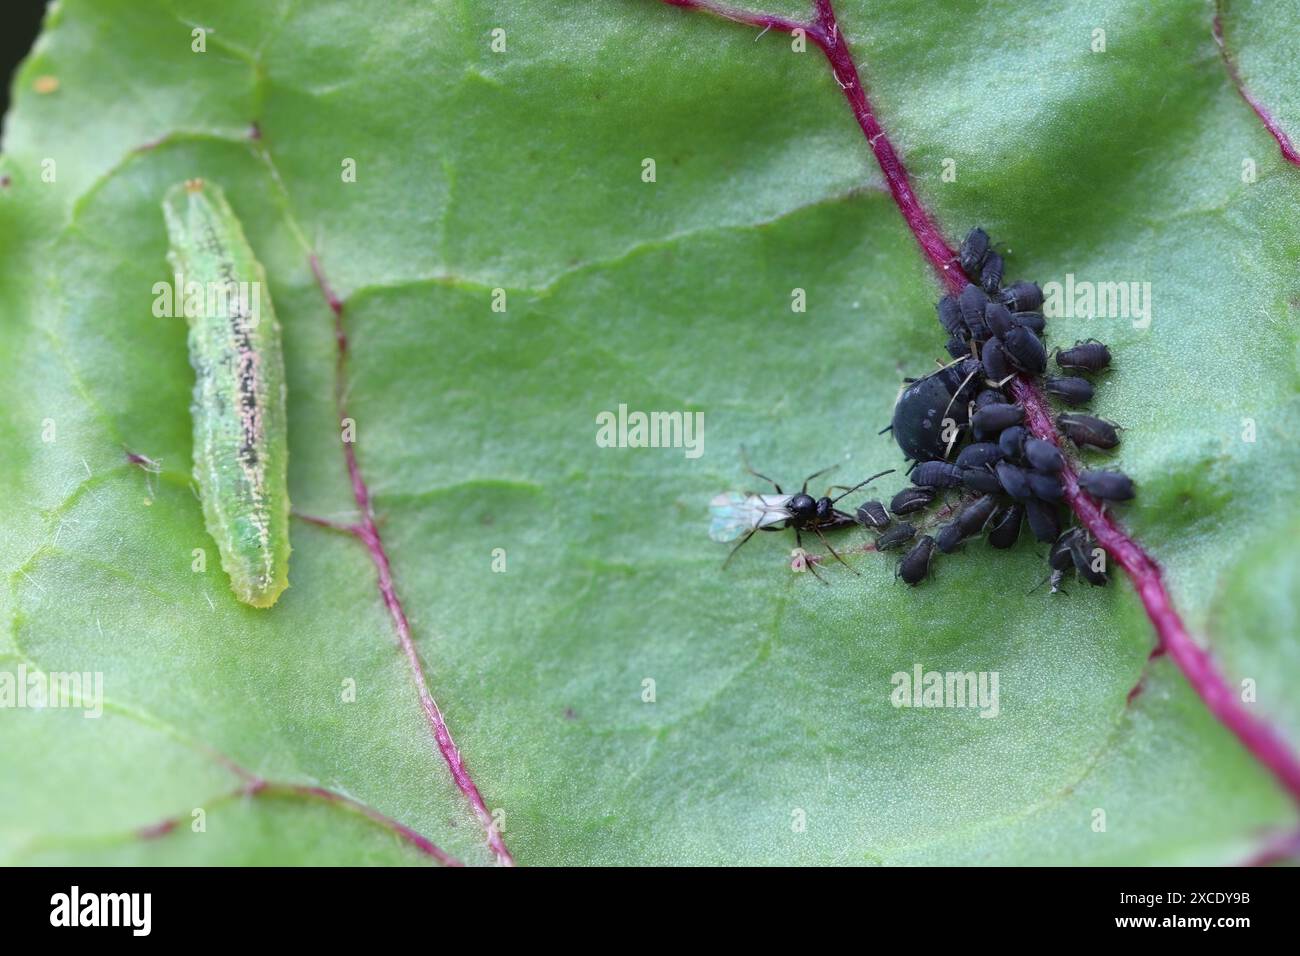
[{"x": 861, "y": 483}]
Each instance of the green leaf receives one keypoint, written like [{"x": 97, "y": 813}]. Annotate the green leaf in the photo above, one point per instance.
[{"x": 522, "y": 171}]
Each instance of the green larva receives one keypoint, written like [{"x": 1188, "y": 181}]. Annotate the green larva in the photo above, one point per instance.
[{"x": 240, "y": 446}]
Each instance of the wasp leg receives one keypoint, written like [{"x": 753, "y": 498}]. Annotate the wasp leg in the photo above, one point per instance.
[
  {"x": 815, "y": 474},
  {"x": 835, "y": 554},
  {"x": 744, "y": 457},
  {"x": 811, "y": 565},
  {"x": 747, "y": 536}
]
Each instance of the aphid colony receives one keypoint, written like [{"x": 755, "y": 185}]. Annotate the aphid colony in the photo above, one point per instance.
[{"x": 966, "y": 439}]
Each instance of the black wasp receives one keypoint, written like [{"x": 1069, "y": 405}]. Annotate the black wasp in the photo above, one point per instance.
[{"x": 735, "y": 515}]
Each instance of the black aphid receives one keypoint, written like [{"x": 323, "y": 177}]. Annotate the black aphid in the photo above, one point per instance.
[
  {"x": 950, "y": 317},
  {"x": 998, "y": 318},
  {"x": 1087, "y": 430},
  {"x": 1012, "y": 441},
  {"x": 1090, "y": 356},
  {"x": 1025, "y": 349},
  {"x": 911, "y": 499},
  {"x": 974, "y": 250},
  {"x": 982, "y": 480},
  {"x": 991, "y": 274},
  {"x": 1022, "y": 297},
  {"x": 1014, "y": 480},
  {"x": 1089, "y": 560},
  {"x": 936, "y": 474},
  {"x": 980, "y": 454},
  {"x": 949, "y": 537},
  {"x": 972, "y": 302},
  {"x": 896, "y": 536},
  {"x": 1045, "y": 486},
  {"x": 915, "y": 566},
  {"x": 1044, "y": 519},
  {"x": 1069, "y": 389},
  {"x": 1108, "y": 485},
  {"x": 1061, "y": 558},
  {"x": 1004, "y": 526},
  {"x": 960, "y": 427},
  {"x": 994, "y": 418},
  {"x": 993, "y": 357},
  {"x": 1043, "y": 455},
  {"x": 1033, "y": 321},
  {"x": 976, "y": 515},
  {"x": 924, "y": 404},
  {"x": 872, "y": 514}
]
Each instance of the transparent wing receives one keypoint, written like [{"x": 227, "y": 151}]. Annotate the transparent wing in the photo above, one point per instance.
[{"x": 732, "y": 514}]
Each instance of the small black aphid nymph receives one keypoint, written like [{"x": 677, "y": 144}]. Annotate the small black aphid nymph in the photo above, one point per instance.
[
  {"x": 872, "y": 514},
  {"x": 998, "y": 318},
  {"x": 1107, "y": 485},
  {"x": 1033, "y": 321},
  {"x": 972, "y": 303},
  {"x": 1014, "y": 480},
  {"x": 950, "y": 317},
  {"x": 936, "y": 474},
  {"x": 1090, "y": 356},
  {"x": 896, "y": 536},
  {"x": 1004, "y": 527},
  {"x": 911, "y": 499},
  {"x": 1044, "y": 519},
  {"x": 974, "y": 250},
  {"x": 915, "y": 566},
  {"x": 1070, "y": 389},
  {"x": 1012, "y": 441},
  {"x": 1043, "y": 455},
  {"x": 1025, "y": 349},
  {"x": 949, "y": 537},
  {"x": 976, "y": 515},
  {"x": 993, "y": 357},
  {"x": 991, "y": 274},
  {"x": 992, "y": 419},
  {"x": 1089, "y": 560},
  {"x": 1045, "y": 486},
  {"x": 981, "y": 479},
  {"x": 1022, "y": 297},
  {"x": 979, "y": 454},
  {"x": 1087, "y": 430}
]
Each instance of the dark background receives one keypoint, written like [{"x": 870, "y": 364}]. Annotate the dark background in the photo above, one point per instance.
[{"x": 19, "y": 24}]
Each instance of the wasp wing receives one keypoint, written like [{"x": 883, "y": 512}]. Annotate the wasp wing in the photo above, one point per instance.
[{"x": 732, "y": 514}]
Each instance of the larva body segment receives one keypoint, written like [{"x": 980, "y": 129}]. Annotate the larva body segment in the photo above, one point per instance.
[{"x": 240, "y": 442}]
